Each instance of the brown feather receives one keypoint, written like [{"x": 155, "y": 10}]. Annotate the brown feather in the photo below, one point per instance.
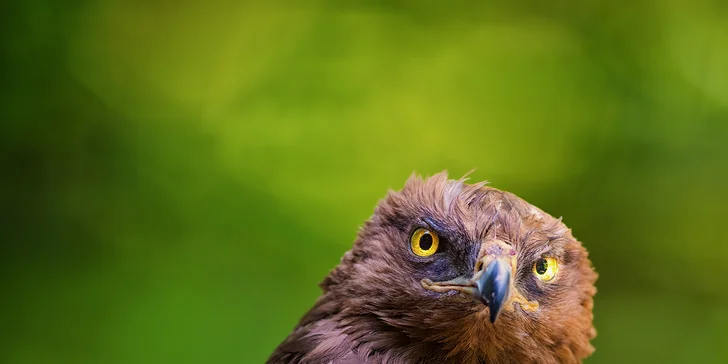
[{"x": 374, "y": 309}]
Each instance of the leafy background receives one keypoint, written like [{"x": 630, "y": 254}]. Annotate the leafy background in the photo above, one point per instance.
[{"x": 177, "y": 177}]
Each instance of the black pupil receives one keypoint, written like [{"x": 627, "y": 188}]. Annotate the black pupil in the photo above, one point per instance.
[
  {"x": 426, "y": 241},
  {"x": 541, "y": 266}
]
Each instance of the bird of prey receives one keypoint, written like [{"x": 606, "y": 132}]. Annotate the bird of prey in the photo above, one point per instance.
[{"x": 450, "y": 272}]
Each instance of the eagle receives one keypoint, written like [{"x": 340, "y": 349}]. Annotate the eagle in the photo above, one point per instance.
[{"x": 450, "y": 272}]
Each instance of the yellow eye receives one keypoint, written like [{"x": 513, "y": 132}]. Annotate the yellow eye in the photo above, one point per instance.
[
  {"x": 424, "y": 242},
  {"x": 545, "y": 269}
]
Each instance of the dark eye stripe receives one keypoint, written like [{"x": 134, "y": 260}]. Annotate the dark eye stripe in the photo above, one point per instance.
[{"x": 435, "y": 226}]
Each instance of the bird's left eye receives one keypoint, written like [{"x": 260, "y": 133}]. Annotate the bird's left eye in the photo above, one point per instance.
[
  {"x": 545, "y": 268},
  {"x": 424, "y": 242}
]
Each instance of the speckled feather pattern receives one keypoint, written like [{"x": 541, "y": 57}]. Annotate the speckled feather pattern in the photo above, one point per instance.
[{"x": 374, "y": 309}]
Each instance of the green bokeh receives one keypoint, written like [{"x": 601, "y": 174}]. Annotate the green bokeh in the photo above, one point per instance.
[{"x": 177, "y": 177}]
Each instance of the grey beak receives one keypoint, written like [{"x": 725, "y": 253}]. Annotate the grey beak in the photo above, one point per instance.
[{"x": 494, "y": 286}]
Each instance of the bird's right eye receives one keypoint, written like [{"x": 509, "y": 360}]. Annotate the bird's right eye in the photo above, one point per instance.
[
  {"x": 545, "y": 269},
  {"x": 424, "y": 242}
]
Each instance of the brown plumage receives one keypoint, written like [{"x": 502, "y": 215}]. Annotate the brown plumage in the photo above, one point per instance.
[{"x": 496, "y": 281}]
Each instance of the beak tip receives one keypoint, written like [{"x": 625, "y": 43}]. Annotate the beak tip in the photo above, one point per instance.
[
  {"x": 494, "y": 287},
  {"x": 494, "y": 311}
]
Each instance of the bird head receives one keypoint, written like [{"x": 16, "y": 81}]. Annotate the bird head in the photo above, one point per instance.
[{"x": 470, "y": 270}]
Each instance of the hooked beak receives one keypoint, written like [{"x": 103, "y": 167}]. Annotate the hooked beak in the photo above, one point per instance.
[
  {"x": 491, "y": 285},
  {"x": 494, "y": 286}
]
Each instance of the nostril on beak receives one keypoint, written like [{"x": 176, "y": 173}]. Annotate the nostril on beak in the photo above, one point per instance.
[{"x": 478, "y": 266}]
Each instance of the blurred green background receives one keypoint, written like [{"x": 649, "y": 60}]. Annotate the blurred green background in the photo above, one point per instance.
[{"x": 177, "y": 177}]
